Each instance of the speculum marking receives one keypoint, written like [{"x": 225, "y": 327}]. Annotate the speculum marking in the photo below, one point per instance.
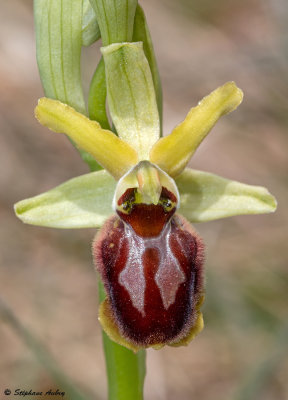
[
  {"x": 168, "y": 277},
  {"x": 132, "y": 276}
]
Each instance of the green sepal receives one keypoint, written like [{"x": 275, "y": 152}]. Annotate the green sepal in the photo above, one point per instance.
[
  {"x": 90, "y": 28},
  {"x": 82, "y": 202},
  {"x": 131, "y": 96},
  {"x": 141, "y": 34},
  {"x": 205, "y": 197},
  {"x": 115, "y": 19}
]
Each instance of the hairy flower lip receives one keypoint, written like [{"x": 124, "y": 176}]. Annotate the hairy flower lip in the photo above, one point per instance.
[{"x": 113, "y": 235}]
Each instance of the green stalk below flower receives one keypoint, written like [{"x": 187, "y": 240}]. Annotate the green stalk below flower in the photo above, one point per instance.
[{"x": 125, "y": 369}]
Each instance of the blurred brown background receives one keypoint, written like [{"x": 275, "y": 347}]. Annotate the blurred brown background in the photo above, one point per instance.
[{"x": 46, "y": 276}]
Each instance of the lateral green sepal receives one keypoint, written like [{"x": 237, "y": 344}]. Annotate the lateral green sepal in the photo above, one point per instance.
[
  {"x": 205, "y": 197},
  {"x": 82, "y": 202}
]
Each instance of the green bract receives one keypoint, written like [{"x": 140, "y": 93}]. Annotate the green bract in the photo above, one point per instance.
[
  {"x": 116, "y": 19},
  {"x": 59, "y": 49},
  {"x": 62, "y": 28},
  {"x": 87, "y": 200}
]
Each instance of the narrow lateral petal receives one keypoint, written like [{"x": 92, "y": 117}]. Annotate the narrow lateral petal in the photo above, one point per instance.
[
  {"x": 82, "y": 202},
  {"x": 205, "y": 197},
  {"x": 131, "y": 96},
  {"x": 116, "y": 156},
  {"x": 173, "y": 152}
]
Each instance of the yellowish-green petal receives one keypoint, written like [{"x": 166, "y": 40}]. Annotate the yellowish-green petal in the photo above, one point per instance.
[
  {"x": 131, "y": 96},
  {"x": 173, "y": 152},
  {"x": 82, "y": 202},
  {"x": 116, "y": 156},
  {"x": 205, "y": 197}
]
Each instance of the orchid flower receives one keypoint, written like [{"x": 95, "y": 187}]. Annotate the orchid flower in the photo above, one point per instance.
[{"x": 147, "y": 253}]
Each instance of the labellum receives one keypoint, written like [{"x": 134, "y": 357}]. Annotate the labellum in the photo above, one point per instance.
[{"x": 150, "y": 260}]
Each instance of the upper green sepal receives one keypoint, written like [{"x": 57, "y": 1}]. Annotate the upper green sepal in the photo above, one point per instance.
[
  {"x": 82, "y": 202},
  {"x": 206, "y": 197},
  {"x": 131, "y": 96}
]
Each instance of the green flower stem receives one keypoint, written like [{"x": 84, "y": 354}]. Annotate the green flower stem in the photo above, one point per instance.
[{"x": 125, "y": 370}]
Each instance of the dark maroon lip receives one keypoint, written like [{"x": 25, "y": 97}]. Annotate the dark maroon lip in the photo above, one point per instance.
[{"x": 153, "y": 284}]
